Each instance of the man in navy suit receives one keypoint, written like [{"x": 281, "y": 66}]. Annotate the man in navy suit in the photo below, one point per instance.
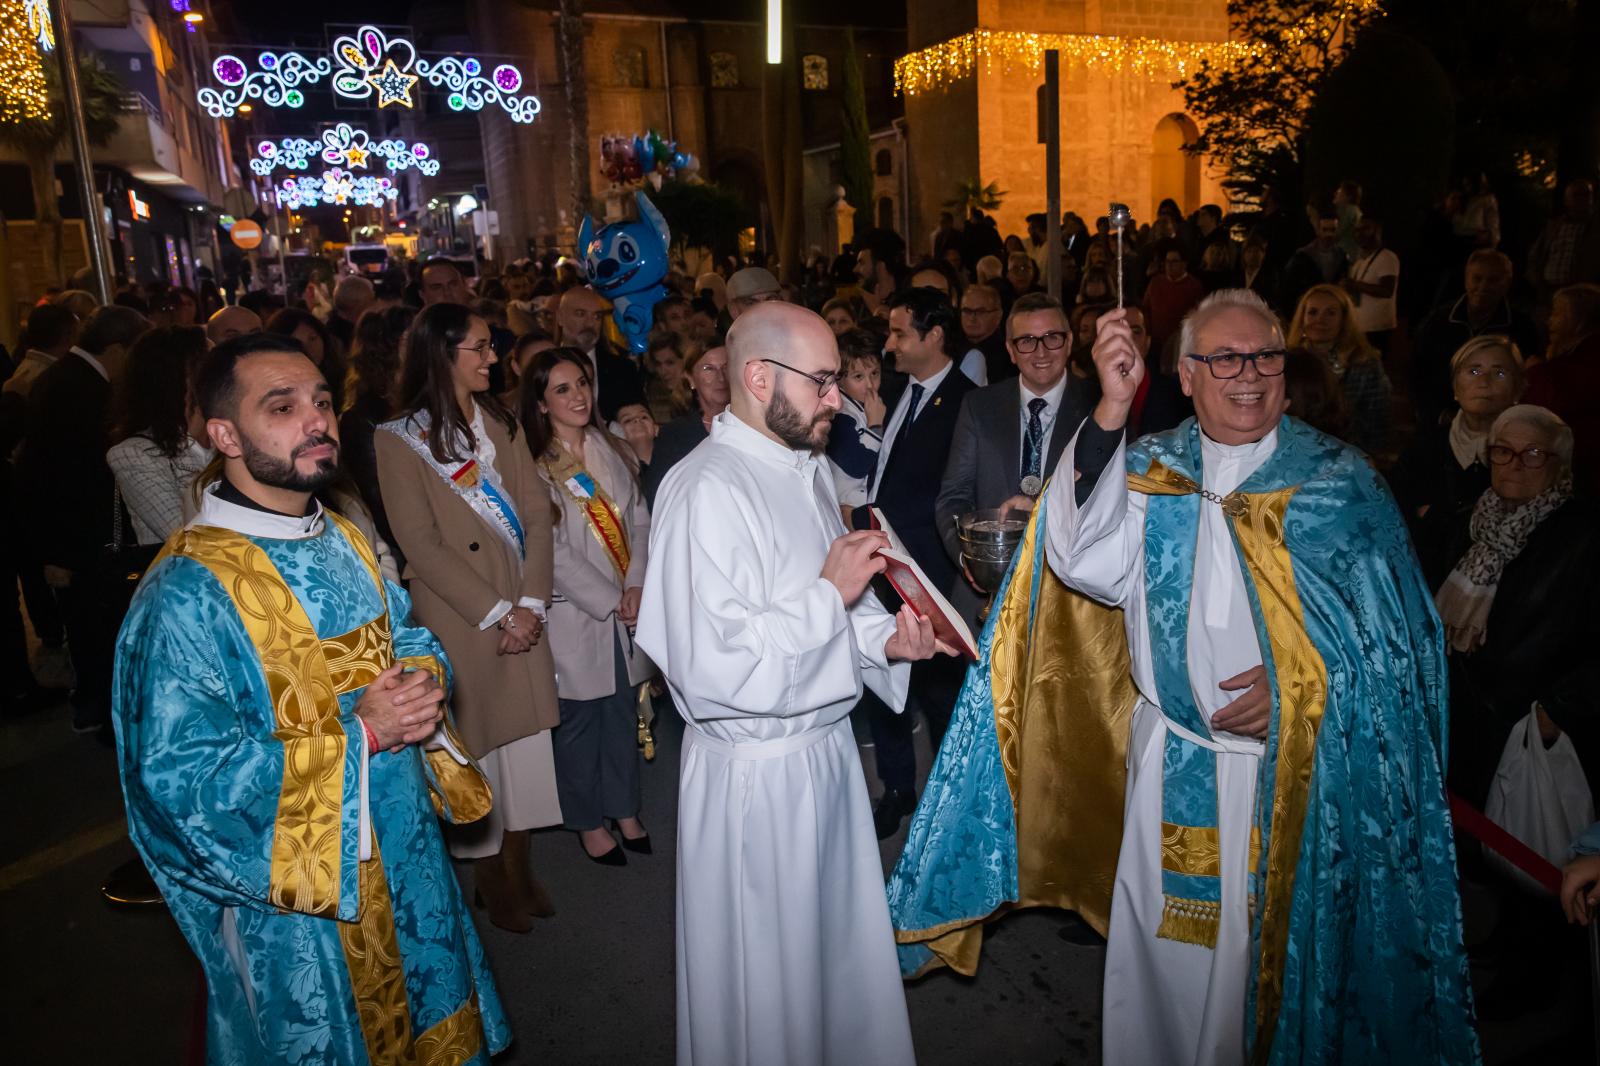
[
  {"x": 1015, "y": 430},
  {"x": 925, "y": 340}
]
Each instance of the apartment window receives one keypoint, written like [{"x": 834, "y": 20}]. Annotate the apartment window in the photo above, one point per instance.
[
  {"x": 627, "y": 67},
  {"x": 724, "y": 70},
  {"x": 815, "y": 72}
]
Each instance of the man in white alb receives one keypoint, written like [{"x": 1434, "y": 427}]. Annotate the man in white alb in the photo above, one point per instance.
[{"x": 758, "y": 613}]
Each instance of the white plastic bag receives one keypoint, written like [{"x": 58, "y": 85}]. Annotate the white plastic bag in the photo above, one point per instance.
[{"x": 1540, "y": 796}]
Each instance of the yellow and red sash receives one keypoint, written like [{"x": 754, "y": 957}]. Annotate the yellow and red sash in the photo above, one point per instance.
[{"x": 605, "y": 521}]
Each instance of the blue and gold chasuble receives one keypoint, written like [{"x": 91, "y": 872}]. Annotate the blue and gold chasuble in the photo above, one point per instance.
[
  {"x": 244, "y": 772},
  {"x": 1355, "y": 942}
]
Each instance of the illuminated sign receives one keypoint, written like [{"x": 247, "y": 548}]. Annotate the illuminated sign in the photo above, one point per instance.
[{"x": 140, "y": 209}]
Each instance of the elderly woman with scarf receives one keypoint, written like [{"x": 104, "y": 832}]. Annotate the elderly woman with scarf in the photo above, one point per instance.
[
  {"x": 1518, "y": 608},
  {"x": 1440, "y": 477}
]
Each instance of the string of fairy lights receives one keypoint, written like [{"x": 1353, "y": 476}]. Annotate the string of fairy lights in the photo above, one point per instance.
[
  {"x": 941, "y": 65},
  {"x": 25, "y": 32}
]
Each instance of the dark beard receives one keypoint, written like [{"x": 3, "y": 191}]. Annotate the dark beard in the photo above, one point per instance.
[
  {"x": 787, "y": 424},
  {"x": 277, "y": 473}
]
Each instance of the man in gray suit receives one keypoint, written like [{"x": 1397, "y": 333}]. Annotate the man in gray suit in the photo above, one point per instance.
[{"x": 1009, "y": 435}]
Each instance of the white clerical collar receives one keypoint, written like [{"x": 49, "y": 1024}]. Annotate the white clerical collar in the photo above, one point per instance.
[
  {"x": 215, "y": 511},
  {"x": 728, "y": 428},
  {"x": 1051, "y": 396},
  {"x": 1237, "y": 453},
  {"x": 92, "y": 361}
]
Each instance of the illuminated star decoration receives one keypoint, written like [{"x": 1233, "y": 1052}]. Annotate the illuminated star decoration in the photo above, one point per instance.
[
  {"x": 356, "y": 157},
  {"x": 393, "y": 85}
]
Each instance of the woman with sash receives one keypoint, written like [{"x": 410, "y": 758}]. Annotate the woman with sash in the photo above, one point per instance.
[
  {"x": 467, "y": 507},
  {"x": 600, "y": 542}
]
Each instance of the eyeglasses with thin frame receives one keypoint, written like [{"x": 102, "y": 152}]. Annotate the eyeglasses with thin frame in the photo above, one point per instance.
[
  {"x": 1530, "y": 458},
  {"x": 480, "y": 347},
  {"x": 974, "y": 312},
  {"x": 1224, "y": 366},
  {"x": 1027, "y": 344},
  {"x": 823, "y": 381}
]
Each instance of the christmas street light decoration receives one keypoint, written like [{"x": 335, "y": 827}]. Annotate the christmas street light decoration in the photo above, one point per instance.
[
  {"x": 947, "y": 62},
  {"x": 275, "y": 82},
  {"x": 342, "y": 145},
  {"x": 39, "y": 24},
  {"x": 24, "y": 96},
  {"x": 335, "y": 186}
]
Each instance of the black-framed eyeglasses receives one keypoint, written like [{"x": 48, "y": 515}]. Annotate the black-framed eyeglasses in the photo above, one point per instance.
[
  {"x": 823, "y": 381},
  {"x": 1532, "y": 458},
  {"x": 1224, "y": 366},
  {"x": 974, "y": 312},
  {"x": 1027, "y": 344}
]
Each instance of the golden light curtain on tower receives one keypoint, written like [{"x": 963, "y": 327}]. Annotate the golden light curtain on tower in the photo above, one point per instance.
[
  {"x": 1156, "y": 57},
  {"x": 23, "y": 95}
]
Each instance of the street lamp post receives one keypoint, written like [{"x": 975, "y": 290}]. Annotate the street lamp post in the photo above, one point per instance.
[{"x": 93, "y": 217}]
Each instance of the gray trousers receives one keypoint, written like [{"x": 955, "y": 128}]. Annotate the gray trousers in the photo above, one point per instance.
[{"x": 597, "y": 754}]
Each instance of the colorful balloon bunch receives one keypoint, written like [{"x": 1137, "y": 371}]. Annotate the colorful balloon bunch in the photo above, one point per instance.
[{"x": 651, "y": 157}]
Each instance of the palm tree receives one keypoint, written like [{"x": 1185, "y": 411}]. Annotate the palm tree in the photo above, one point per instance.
[
  {"x": 974, "y": 195},
  {"x": 37, "y": 140}
]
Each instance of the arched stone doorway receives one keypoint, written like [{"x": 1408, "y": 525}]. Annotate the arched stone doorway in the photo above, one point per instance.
[{"x": 1174, "y": 173}]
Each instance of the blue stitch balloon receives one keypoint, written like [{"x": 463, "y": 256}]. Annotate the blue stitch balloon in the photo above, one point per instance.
[{"x": 626, "y": 262}]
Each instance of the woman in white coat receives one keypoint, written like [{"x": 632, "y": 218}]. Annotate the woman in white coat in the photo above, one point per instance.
[{"x": 601, "y": 538}]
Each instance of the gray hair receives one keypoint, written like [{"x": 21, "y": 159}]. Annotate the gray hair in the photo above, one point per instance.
[
  {"x": 1543, "y": 421},
  {"x": 1218, "y": 302},
  {"x": 352, "y": 292}
]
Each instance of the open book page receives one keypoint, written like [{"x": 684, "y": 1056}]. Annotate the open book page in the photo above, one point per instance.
[{"x": 921, "y": 593}]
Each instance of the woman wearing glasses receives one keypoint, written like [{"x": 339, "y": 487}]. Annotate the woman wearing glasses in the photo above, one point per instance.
[
  {"x": 468, "y": 508},
  {"x": 1443, "y": 473},
  {"x": 1519, "y": 614},
  {"x": 1518, "y": 608}
]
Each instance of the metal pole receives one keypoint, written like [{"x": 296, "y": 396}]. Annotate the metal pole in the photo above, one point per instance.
[
  {"x": 1052, "y": 172},
  {"x": 93, "y": 215},
  {"x": 283, "y": 271}
]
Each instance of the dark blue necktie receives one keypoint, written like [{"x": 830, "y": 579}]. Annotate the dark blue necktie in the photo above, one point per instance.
[
  {"x": 911, "y": 413},
  {"x": 1033, "y": 439}
]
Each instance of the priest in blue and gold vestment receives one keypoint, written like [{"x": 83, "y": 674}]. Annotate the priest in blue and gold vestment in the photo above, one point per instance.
[
  {"x": 1208, "y": 714},
  {"x": 286, "y": 756}
]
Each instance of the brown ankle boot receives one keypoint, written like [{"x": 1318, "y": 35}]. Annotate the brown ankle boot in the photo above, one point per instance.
[
  {"x": 531, "y": 895},
  {"x": 494, "y": 890}
]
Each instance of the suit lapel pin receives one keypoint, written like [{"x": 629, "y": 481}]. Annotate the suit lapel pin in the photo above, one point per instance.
[{"x": 937, "y": 400}]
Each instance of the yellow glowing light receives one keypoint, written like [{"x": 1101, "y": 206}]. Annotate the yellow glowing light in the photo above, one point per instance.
[
  {"x": 960, "y": 57},
  {"x": 23, "y": 95},
  {"x": 245, "y": 109},
  {"x": 193, "y": 16}
]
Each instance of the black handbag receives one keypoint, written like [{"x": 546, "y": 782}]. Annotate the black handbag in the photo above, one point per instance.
[{"x": 122, "y": 565}]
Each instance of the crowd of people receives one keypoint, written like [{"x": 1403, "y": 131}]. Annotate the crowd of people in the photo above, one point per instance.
[{"x": 496, "y": 455}]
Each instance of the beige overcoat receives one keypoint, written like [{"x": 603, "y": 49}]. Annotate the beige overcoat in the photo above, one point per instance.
[{"x": 458, "y": 568}]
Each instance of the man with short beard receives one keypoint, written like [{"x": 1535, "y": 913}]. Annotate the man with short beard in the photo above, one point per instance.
[
  {"x": 757, "y": 610},
  {"x": 284, "y": 746}
]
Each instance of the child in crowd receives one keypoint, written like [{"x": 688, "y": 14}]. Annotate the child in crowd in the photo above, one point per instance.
[{"x": 857, "y": 432}]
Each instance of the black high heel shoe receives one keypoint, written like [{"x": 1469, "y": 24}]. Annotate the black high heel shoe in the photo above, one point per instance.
[
  {"x": 637, "y": 845},
  {"x": 614, "y": 857}
]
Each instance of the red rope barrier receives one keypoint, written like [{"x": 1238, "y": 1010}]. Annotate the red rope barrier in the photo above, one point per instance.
[{"x": 1476, "y": 824}]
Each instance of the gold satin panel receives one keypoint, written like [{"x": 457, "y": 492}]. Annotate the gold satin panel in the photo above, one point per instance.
[
  {"x": 356, "y": 658},
  {"x": 372, "y": 955},
  {"x": 461, "y": 794},
  {"x": 1063, "y": 699},
  {"x": 306, "y": 834},
  {"x": 1302, "y": 679},
  {"x": 455, "y": 1040},
  {"x": 1192, "y": 849}
]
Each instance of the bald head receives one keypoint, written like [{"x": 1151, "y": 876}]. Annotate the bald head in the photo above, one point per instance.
[
  {"x": 231, "y": 322},
  {"x": 578, "y": 317},
  {"x": 784, "y": 402}
]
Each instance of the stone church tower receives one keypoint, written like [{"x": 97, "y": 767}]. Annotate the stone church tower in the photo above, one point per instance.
[{"x": 1121, "y": 131}]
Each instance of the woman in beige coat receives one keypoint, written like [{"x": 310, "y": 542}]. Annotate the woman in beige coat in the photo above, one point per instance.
[
  {"x": 474, "y": 522},
  {"x": 601, "y": 539}
]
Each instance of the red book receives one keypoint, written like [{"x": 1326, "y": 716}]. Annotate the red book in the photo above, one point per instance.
[{"x": 922, "y": 594}]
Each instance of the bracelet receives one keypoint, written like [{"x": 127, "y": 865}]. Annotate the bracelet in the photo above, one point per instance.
[{"x": 372, "y": 739}]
